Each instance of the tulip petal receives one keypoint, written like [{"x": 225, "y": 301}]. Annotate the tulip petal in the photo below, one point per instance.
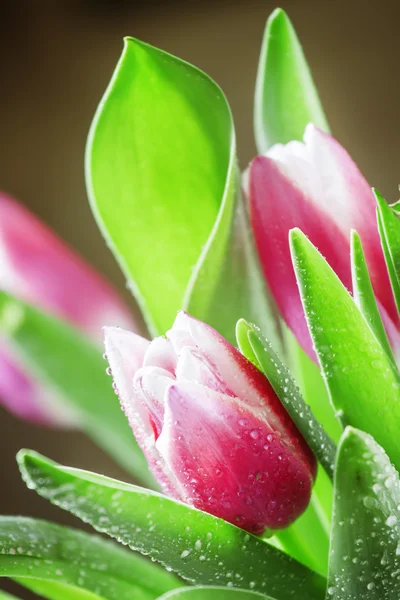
[
  {"x": 316, "y": 187},
  {"x": 125, "y": 353},
  {"x": 210, "y": 440},
  {"x": 40, "y": 268},
  {"x": 152, "y": 384},
  {"x": 241, "y": 377},
  {"x": 25, "y": 396},
  {"x": 162, "y": 354},
  {"x": 346, "y": 189},
  {"x": 194, "y": 366},
  {"x": 276, "y": 207}
]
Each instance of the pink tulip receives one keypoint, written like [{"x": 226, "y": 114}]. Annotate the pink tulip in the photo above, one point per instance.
[
  {"x": 213, "y": 430},
  {"x": 314, "y": 185},
  {"x": 39, "y": 268}
]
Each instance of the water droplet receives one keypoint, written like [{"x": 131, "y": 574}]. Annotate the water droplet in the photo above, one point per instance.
[{"x": 331, "y": 590}]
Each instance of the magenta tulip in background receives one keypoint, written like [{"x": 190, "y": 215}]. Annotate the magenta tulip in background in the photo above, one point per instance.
[
  {"x": 42, "y": 270},
  {"x": 316, "y": 186},
  {"x": 213, "y": 430}
]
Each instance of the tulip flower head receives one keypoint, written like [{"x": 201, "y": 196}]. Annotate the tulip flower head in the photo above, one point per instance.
[
  {"x": 314, "y": 185},
  {"x": 39, "y": 268},
  {"x": 213, "y": 430}
]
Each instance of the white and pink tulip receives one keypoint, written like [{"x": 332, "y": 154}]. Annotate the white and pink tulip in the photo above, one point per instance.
[
  {"x": 314, "y": 185},
  {"x": 213, "y": 430}
]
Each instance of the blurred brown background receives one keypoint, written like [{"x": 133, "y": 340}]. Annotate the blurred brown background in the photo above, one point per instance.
[{"x": 56, "y": 58}]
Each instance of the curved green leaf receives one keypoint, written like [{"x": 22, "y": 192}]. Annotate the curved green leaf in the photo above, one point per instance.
[
  {"x": 163, "y": 183},
  {"x": 364, "y": 294},
  {"x": 309, "y": 378},
  {"x": 213, "y": 593},
  {"x": 361, "y": 379},
  {"x": 64, "y": 359},
  {"x": 199, "y": 547},
  {"x": 286, "y": 99},
  {"x": 365, "y": 545},
  {"x": 158, "y": 156},
  {"x": 289, "y": 395},
  {"x": 307, "y": 539},
  {"x": 31, "y": 549}
]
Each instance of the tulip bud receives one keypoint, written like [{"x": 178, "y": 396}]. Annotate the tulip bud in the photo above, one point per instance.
[
  {"x": 314, "y": 185},
  {"x": 39, "y": 268},
  {"x": 213, "y": 430}
]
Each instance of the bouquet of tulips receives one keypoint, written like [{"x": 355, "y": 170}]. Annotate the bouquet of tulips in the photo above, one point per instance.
[{"x": 261, "y": 408}]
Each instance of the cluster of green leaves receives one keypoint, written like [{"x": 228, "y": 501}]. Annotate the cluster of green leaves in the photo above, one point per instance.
[{"x": 162, "y": 176}]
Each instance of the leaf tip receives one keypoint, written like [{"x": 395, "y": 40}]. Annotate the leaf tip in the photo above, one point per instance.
[
  {"x": 278, "y": 18},
  {"x": 355, "y": 240},
  {"x": 296, "y": 239},
  {"x": 379, "y": 198},
  {"x": 29, "y": 463}
]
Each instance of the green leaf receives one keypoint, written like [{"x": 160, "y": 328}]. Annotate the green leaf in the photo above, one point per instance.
[
  {"x": 75, "y": 369},
  {"x": 5, "y": 596},
  {"x": 289, "y": 394},
  {"x": 312, "y": 386},
  {"x": 286, "y": 99},
  {"x": 364, "y": 295},
  {"x": 307, "y": 539},
  {"x": 199, "y": 547},
  {"x": 158, "y": 156},
  {"x": 52, "y": 590},
  {"x": 163, "y": 183},
  {"x": 361, "y": 379},
  {"x": 49, "y": 552},
  {"x": 365, "y": 545},
  {"x": 213, "y": 593},
  {"x": 389, "y": 231},
  {"x": 227, "y": 282}
]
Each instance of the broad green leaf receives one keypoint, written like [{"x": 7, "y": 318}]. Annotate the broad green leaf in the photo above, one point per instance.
[
  {"x": 289, "y": 394},
  {"x": 286, "y": 99},
  {"x": 389, "y": 231},
  {"x": 362, "y": 381},
  {"x": 75, "y": 369},
  {"x": 365, "y": 544},
  {"x": 49, "y": 552},
  {"x": 364, "y": 295},
  {"x": 158, "y": 156},
  {"x": 199, "y": 547},
  {"x": 213, "y": 593},
  {"x": 164, "y": 186}
]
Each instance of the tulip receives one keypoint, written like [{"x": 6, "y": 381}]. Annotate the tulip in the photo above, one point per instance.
[
  {"x": 210, "y": 425},
  {"x": 39, "y": 268},
  {"x": 316, "y": 186}
]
